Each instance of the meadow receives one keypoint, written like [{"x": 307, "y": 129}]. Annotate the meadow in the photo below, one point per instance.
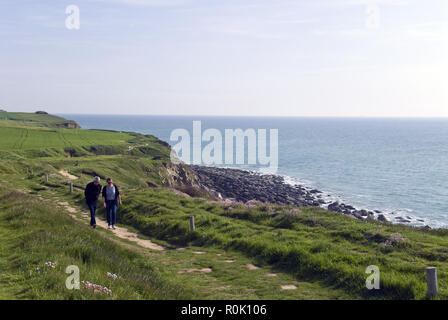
[{"x": 25, "y": 138}]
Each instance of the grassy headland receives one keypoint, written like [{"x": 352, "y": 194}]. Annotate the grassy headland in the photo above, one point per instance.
[
  {"x": 37, "y": 119},
  {"x": 323, "y": 254}
]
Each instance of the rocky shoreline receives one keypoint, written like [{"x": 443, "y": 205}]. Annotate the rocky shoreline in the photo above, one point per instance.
[{"x": 243, "y": 186}]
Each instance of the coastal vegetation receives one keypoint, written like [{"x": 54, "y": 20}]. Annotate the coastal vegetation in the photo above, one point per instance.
[{"x": 239, "y": 250}]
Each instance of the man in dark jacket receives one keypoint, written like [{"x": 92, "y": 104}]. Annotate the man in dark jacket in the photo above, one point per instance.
[{"x": 92, "y": 192}]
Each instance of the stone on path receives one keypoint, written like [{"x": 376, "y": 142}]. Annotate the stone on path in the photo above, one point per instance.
[
  {"x": 203, "y": 270},
  {"x": 289, "y": 287},
  {"x": 251, "y": 267},
  {"x": 67, "y": 175}
]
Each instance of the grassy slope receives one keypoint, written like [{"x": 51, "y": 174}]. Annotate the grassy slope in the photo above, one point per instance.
[
  {"x": 322, "y": 250},
  {"x": 313, "y": 244},
  {"x": 32, "y": 233},
  {"x": 31, "y": 119}
]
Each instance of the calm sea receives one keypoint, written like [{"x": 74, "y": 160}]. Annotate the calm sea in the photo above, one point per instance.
[{"x": 398, "y": 166}]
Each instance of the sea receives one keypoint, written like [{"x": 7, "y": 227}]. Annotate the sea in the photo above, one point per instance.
[{"x": 396, "y": 165}]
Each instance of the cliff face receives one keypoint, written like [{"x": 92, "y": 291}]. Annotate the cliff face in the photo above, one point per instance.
[{"x": 178, "y": 175}]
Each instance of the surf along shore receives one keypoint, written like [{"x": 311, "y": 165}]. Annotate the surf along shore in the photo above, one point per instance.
[{"x": 235, "y": 185}]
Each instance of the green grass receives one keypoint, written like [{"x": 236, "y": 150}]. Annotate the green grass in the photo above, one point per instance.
[
  {"x": 32, "y": 119},
  {"x": 312, "y": 245},
  {"x": 325, "y": 254},
  {"x": 16, "y": 138},
  {"x": 32, "y": 233}
]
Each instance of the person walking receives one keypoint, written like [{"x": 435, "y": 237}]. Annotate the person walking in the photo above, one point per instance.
[
  {"x": 92, "y": 193},
  {"x": 111, "y": 198}
]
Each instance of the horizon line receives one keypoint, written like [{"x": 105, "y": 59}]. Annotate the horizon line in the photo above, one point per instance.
[{"x": 255, "y": 116}]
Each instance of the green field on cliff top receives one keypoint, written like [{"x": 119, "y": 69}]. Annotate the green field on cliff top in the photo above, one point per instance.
[{"x": 237, "y": 251}]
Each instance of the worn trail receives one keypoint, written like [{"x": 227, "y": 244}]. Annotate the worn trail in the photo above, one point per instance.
[{"x": 120, "y": 232}]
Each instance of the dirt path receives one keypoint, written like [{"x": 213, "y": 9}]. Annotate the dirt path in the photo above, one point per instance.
[
  {"x": 67, "y": 175},
  {"x": 120, "y": 232}
]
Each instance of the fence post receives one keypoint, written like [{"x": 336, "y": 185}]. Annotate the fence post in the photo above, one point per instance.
[
  {"x": 46, "y": 178},
  {"x": 431, "y": 279},
  {"x": 192, "y": 228},
  {"x": 71, "y": 187}
]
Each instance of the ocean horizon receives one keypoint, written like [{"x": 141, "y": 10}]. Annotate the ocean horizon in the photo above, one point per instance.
[{"x": 396, "y": 165}]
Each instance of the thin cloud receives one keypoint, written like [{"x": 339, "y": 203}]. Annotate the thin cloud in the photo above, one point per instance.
[
  {"x": 376, "y": 2},
  {"x": 339, "y": 3},
  {"x": 150, "y": 3}
]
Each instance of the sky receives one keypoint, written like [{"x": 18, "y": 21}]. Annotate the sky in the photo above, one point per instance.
[{"x": 343, "y": 58}]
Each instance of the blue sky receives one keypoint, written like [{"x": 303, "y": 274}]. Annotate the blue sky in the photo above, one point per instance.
[{"x": 227, "y": 57}]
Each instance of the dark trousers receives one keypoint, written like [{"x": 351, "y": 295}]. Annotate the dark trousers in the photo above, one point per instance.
[
  {"x": 111, "y": 212},
  {"x": 92, "y": 208}
]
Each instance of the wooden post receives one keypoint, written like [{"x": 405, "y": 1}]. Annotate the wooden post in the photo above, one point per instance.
[
  {"x": 71, "y": 187},
  {"x": 46, "y": 178},
  {"x": 431, "y": 279},
  {"x": 192, "y": 224}
]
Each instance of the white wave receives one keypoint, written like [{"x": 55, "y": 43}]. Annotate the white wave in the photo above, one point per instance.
[{"x": 329, "y": 197}]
